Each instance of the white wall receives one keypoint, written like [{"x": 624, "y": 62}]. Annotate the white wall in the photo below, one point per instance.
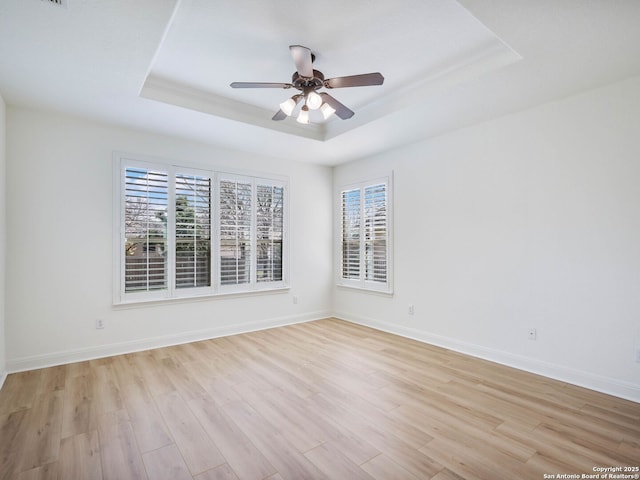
[
  {"x": 3, "y": 359},
  {"x": 59, "y": 262},
  {"x": 528, "y": 221},
  {"x": 531, "y": 220}
]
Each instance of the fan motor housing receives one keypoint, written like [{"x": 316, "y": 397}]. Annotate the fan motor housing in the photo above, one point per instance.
[{"x": 302, "y": 83}]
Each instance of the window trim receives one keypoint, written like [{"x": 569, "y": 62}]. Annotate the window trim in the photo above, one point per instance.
[
  {"x": 361, "y": 283},
  {"x": 122, "y": 161}
]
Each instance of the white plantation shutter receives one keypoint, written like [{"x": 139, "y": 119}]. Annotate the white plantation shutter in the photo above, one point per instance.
[
  {"x": 145, "y": 230},
  {"x": 185, "y": 232},
  {"x": 365, "y": 235},
  {"x": 193, "y": 231},
  {"x": 269, "y": 232},
  {"x": 350, "y": 213},
  {"x": 235, "y": 231},
  {"x": 375, "y": 233}
]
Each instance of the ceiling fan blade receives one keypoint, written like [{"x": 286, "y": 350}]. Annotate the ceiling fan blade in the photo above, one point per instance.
[
  {"x": 260, "y": 85},
  {"x": 341, "y": 111},
  {"x": 280, "y": 115},
  {"x": 302, "y": 59},
  {"x": 363, "y": 80}
]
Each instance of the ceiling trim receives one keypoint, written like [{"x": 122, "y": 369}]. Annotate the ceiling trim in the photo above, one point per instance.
[
  {"x": 174, "y": 93},
  {"x": 489, "y": 57}
]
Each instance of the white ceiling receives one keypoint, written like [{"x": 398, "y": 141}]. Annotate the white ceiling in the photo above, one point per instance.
[{"x": 166, "y": 65}]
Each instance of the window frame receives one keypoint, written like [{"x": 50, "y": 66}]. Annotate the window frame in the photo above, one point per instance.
[
  {"x": 361, "y": 282},
  {"x": 122, "y": 162}
]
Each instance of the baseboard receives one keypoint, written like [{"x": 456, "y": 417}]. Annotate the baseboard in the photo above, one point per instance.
[
  {"x": 610, "y": 386},
  {"x": 61, "y": 358},
  {"x": 3, "y": 377},
  {"x": 588, "y": 380}
]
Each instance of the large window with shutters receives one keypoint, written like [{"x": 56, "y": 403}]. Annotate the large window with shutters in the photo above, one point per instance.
[
  {"x": 365, "y": 235},
  {"x": 186, "y": 232}
]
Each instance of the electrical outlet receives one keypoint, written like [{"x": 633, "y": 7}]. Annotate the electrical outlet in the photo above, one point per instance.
[
  {"x": 638, "y": 354},
  {"x": 295, "y": 299},
  {"x": 99, "y": 323},
  {"x": 532, "y": 334},
  {"x": 410, "y": 309}
]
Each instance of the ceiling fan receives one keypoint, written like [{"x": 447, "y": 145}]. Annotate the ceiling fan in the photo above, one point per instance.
[{"x": 309, "y": 81}]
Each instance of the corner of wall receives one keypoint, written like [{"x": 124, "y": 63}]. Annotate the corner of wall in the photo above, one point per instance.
[
  {"x": 585, "y": 379},
  {"x": 3, "y": 236}
]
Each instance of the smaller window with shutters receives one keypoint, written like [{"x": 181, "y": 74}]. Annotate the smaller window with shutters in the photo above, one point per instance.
[
  {"x": 190, "y": 232},
  {"x": 365, "y": 235}
]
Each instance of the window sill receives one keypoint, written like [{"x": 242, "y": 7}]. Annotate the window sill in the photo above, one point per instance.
[
  {"x": 383, "y": 293},
  {"x": 124, "y": 304}
]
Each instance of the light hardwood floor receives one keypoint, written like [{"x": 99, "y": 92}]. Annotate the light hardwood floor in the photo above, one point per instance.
[{"x": 322, "y": 400}]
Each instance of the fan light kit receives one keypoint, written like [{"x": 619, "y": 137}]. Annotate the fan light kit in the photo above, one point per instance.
[{"x": 309, "y": 81}]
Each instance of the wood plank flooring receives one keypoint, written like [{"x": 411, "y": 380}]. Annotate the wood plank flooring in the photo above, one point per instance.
[{"x": 321, "y": 400}]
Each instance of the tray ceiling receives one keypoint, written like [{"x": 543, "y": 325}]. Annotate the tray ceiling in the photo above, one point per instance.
[{"x": 165, "y": 65}]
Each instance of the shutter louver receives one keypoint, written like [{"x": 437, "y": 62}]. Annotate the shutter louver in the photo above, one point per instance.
[
  {"x": 193, "y": 231},
  {"x": 145, "y": 230}
]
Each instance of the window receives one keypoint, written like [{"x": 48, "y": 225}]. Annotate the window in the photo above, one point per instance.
[
  {"x": 235, "y": 232},
  {"x": 251, "y": 219},
  {"x": 365, "y": 240},
  {"x": 269, "y": 232},
  {"x": 145, "y": 230},
  {"x": 188, "y": 232},
  {"x": 193, "y": 231}
]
